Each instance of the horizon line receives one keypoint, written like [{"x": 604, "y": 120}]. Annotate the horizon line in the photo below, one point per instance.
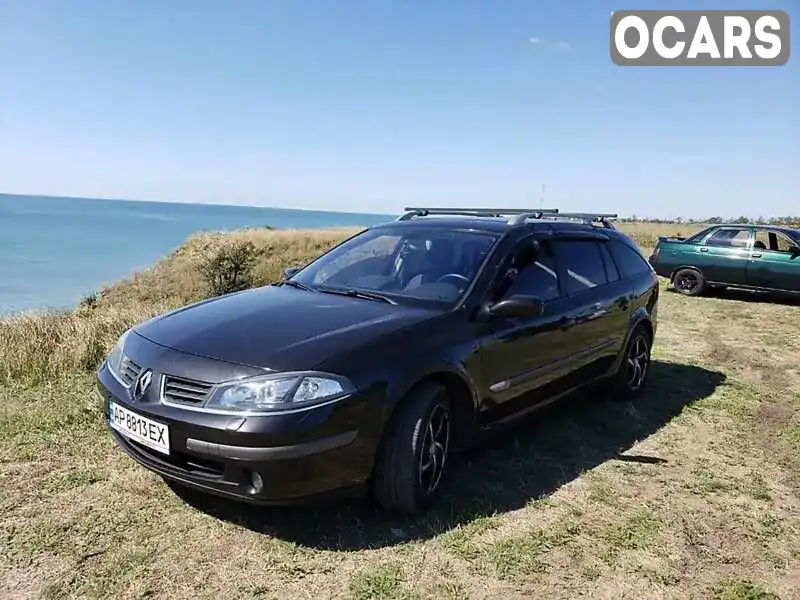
[
  {"x": 350, "y": 212},
  {"x": 191, "y": 202}
]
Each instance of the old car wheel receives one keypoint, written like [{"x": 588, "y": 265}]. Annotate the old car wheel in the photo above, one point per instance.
[
  {"x": 413, "y": 454},
  {"x": 689, "y": 282}
]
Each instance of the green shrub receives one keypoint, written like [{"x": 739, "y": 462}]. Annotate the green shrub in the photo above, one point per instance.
[{"x": 229, "y": 268}]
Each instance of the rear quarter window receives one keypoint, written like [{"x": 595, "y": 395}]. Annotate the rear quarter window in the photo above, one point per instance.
[{"x": 629, "y": 260}]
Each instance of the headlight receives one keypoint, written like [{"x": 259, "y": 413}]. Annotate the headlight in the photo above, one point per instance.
[
  {"x": 115, "y": 358},
  {"x": 281, "y": 391}
]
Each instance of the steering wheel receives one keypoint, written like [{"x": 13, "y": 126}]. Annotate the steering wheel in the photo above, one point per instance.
[{"x": 460, "y": 278}]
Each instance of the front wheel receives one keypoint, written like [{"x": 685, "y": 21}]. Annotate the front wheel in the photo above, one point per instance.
[{"x": 413, "y": 454}]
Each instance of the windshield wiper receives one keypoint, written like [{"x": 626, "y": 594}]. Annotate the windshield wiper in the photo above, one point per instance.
[
  {"x": 359, "y": 294},
  {"x": 295, "y": 284}
]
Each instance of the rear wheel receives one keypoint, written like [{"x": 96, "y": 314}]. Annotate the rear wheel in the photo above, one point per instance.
[
  {"x": 689, "y": 282},
  {"x": 631, "y": 377},
  {"x": 413, "y": 454}
]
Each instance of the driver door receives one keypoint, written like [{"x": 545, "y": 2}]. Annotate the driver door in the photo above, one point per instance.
[
  {"x": 522, "y": 357},
  {"x": 773, "y": 264}
]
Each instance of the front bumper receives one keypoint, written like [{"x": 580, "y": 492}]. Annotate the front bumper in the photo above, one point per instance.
[{"x": 280, "y": 459}]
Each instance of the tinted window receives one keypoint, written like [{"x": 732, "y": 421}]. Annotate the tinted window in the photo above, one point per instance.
[
  {"x": 611, "y": 269},
  {"x": 581, "y": 264},
  {"x": 538, "y": 278},
  {"x": 629, "y": 260},
  {"x": 729, "y": 237}
]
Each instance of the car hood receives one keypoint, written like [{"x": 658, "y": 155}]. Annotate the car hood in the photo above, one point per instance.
[{"x": 278, "y": 328}]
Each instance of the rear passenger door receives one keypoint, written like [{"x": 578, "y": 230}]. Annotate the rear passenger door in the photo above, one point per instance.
[
  {"x": 723, "y": 256},
  {"x": 596, "y": 296}
]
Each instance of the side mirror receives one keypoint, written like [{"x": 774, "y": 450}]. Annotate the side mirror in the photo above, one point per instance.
[
  {"x": 288, "y": 272},
  {"x": 794, "y": 250},
  {"x": 513, "y": 306}
]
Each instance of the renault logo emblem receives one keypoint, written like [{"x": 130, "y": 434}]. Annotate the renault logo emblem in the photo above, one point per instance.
[{"x": 143, "y": 383}]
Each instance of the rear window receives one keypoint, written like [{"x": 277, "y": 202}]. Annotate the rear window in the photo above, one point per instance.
[{"x": 694, "y": 239}]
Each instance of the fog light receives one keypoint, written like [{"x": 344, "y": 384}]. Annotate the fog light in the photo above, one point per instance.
[{"x": 258, "y": 483}]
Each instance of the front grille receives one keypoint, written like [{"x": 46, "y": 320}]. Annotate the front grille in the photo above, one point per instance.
[
  {"x": 129, "y": 371},
  {"x": 185, "y": 391}
]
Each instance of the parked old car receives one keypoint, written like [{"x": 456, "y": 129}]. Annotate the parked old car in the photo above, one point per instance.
[
  {"x": 752, "y": 257},
  {"x": 364, "y": 369}
]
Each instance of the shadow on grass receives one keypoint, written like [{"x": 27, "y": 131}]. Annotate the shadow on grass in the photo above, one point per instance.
[{"x": 532, "y": 460}]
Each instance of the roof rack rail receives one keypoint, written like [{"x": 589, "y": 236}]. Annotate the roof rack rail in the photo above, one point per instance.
[
  {"x": 412, "y": 212},
  {"x": 587, "y": 218}
]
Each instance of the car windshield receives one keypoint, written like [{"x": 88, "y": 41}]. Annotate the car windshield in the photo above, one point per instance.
[{"x": 420, "y": 263}]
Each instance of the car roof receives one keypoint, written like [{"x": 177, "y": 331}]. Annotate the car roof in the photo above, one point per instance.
[
  {"x": 789, "y": 230},
  {"x": 493, "y": 224},
  {"x": 496, "y": 225}
]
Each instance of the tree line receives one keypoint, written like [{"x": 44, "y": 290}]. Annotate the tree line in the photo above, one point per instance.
[{"x": 787, "y": 221}]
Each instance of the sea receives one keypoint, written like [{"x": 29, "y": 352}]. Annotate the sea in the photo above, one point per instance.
[{"x": 56, "y": 251}]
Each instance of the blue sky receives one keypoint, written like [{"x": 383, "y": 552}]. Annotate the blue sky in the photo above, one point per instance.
[{"x": 373, "y": 105}]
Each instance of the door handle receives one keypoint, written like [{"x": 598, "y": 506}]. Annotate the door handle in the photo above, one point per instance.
[
  {"x": 756, "y": 254},
  {"x": 566, "y": 323},
  {"x": 703, "y": 249},
  {"x": 597, "y": 310}
]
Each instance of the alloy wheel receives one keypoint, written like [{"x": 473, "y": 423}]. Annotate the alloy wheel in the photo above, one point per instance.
[
  {"x": 687, "y": 282},
  {"x": 435, "y": 446},
  {"x": 638, "y": 362}
]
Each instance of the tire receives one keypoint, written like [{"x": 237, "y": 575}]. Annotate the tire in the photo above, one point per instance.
[
  {"x": 408, "y": 472},
  {"x": 630, "y": 379},
  {"x": 689, "y": 282}
]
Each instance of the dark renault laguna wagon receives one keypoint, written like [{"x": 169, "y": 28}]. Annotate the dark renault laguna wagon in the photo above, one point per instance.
[{"x": 364, "y": 370}]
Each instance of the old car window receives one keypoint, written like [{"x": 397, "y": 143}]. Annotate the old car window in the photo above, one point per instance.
[
  {"x": 629, "y": 260},
  {"x": 772, "y": 240},
  {"x": 581, "y": 263},
  {"x": 729, "y": 237},
  {"x": 537, "y": 278}
]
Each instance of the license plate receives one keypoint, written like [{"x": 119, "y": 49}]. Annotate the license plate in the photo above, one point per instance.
[{"x": 138, "y": 428}]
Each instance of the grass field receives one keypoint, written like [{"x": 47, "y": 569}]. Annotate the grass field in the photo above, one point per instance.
[{"x": 689, "y": 492}]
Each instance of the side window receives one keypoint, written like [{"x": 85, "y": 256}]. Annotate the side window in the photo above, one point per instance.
[
  {"x": 611, "y": 269},
  {"x": 629, "y": 260},
  {"x": 729, "y": 237},
  {"x": 771, "y": 240},
  {"x": 538, "y": 278},
  {"x": 581, "y": 263}
]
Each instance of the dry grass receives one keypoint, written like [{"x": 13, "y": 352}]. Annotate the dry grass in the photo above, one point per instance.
[{"x": 690, "y": 492}]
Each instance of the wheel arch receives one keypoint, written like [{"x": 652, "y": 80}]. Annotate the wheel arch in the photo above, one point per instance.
[
  {"x": 639, "y": 318},
  {"x": 681, "y": 268},
  {"x": 461, "y": 392}
]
